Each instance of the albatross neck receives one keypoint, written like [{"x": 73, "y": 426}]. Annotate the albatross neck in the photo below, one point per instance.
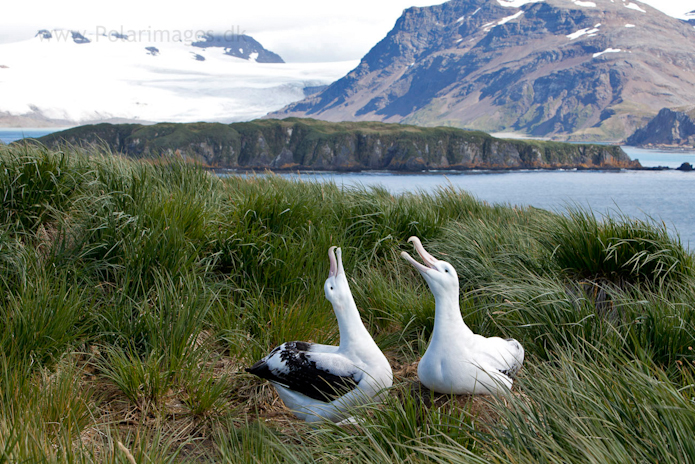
[
  {"x": 447, "y": 315},
  {"x": 353, "y": 333}
]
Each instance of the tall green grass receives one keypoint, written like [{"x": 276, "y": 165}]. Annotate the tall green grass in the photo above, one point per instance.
[{"x": 133, "y": 293}]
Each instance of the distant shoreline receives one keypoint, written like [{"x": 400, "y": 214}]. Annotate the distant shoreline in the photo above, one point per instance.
[
  {"x": 673, "y": 148},
  {"x": 242, "y": 170},
  {"x": 498, "y": 135}
]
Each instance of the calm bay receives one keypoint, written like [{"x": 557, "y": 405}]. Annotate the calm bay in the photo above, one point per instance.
[{"x": 665, "y": 195}]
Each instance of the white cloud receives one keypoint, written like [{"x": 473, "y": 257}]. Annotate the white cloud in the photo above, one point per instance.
[
  {"x": 304, "y": 30},
  {"x": 121, "y": 80},
  {"x": 675, "y": 8}
]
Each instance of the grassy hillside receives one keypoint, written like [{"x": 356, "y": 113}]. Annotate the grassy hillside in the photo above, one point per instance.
[
  {"x": 295, "y": 143},
  {"x": 132, "y": 294}
]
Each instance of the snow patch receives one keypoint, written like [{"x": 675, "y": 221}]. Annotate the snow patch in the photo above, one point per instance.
[
  {"x": 591, "y": 32},
  {"x": 488, "y": 26},
  {"x": 634, "y": 6},
  {"x": 459, "y": 40},
  {"x": 584, "y": 4},
  {"x": 474, "y": 13},
  {"x": 515, "y": 3},
  {"x": 629, "y": 25},
  {"x": 608, "y": 50},
  {"x": 509, "y": 18},
  {"x": 253, "y": 56},
  {"x": 578, "y": 34},
  {"x": 460, "y": 20}
]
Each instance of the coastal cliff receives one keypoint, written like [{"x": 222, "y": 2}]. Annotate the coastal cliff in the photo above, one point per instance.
[
  {"x": 669, "y": 128},
  {"x": 307, "y": 144}
]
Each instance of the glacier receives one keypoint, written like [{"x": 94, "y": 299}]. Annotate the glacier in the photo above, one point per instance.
[{"x": 79, "y": 78}]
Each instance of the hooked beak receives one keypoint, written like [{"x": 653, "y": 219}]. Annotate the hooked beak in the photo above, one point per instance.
[{"x": 427, "y": 258}]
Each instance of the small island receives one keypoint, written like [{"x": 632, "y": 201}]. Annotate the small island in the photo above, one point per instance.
[
  {"x": 307, "y": 144},
  {"x": 668, "y": 129}
]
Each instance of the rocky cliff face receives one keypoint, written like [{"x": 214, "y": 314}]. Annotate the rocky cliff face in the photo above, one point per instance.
[
  {"x": 566, "y": 69},
  {"x": 668, "y": 129},
  {"x": 310, "y": 144},
  {"x": 240, "y": 46}
]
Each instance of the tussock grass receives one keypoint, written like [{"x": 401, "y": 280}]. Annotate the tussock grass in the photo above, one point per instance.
[
  {"x": 133, "y": 293},
  {"x": 586, "y": 405},
  {"x": 622, "y": 250}
]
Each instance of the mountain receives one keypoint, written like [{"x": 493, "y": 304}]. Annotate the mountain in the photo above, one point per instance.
[
  {"x": 691, "y": 17},
  {"x": 318, "y": 145},
  {"x": 238, "y": 45},
  {"x": 574, "y": 69},
  {"x": 668, "y": 129},
  {"x": 66, "y": 78}
]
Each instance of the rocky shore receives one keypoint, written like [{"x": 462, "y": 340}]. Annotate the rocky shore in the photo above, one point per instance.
[{"x": 307, "y": 144}]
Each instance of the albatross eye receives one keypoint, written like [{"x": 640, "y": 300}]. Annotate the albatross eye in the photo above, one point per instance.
[{"x": 331, "y": 288}]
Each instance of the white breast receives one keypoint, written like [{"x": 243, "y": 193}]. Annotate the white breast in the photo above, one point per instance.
[{"x": 476, "y": 365}]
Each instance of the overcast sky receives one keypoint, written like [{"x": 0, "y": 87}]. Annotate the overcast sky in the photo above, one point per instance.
[{"x": 301, "y": 30}]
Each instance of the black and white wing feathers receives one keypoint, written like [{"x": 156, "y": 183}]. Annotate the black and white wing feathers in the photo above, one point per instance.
[{"x": 318, "y": 375}]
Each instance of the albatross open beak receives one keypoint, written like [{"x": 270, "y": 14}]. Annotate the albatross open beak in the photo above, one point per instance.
[
  {"x": 339, "y": 255},
  {"x": 334, "y": 265},
  {"x": 427, "y": 258},
  {"x": 335, "y": 256}
]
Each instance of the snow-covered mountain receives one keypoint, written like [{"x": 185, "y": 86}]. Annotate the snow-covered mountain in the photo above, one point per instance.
[
  {"x": 240, "y": 46},
  {"x": 63, "y": 77},
  {"x": 690, "y": 17},
  {"x": 566, "y": 69}
]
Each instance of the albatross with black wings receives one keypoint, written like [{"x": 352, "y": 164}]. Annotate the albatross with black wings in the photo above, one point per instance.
[
  {"x": 318, "y": 381},
  {"x": 294, "y": 366}
]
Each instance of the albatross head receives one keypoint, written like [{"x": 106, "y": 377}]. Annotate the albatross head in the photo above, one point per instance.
[
  {"x": 440, "y": 276},
  {"x": 336, "y": 287}
]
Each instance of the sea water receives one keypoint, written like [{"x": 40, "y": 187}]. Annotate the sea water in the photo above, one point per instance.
[
  {"x": 11, "y": 135},
  {"x": 666, "y": 196},
  {"x": 663, "y": 196}
]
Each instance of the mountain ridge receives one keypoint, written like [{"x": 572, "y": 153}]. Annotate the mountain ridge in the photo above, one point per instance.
[
  {"x": 239, "y": 46},
  {"x": 552, "y": 68}
]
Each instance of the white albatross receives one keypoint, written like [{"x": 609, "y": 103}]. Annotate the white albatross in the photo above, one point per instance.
[
  {"x": 321, "y": 382},
  {"x": 457, "y": 360}
]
